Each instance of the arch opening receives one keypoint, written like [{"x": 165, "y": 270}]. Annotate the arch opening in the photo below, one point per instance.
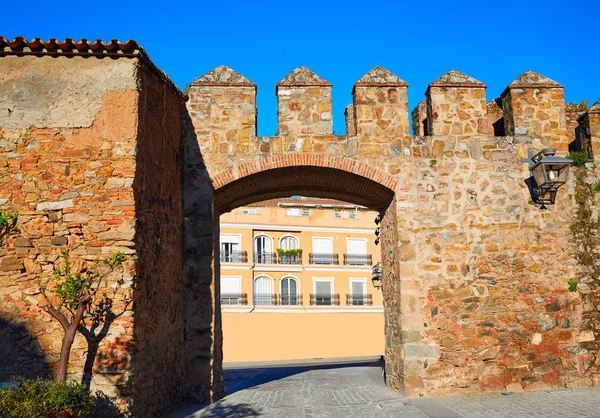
[{"x": 285, "y": 290}]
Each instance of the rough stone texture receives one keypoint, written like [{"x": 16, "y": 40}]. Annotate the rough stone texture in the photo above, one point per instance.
[
  {"x": 535, "y": 107},
  {"x": 80, "y": 166},
  {"x": 223, "y": 76},
  {"x": 475, "y": 277},
  {"x": 495, "y": 118},
  {"x": 381, "y": 108},
  {"x": 456, "y": 106},
  {"x": 304, "y": 104},
  {"x": 419, "y": 119},
  {"x": 589, "y": 124},
  {"x": 223, "y": 111},
  {"x": 572, "y": 114},
  {"x": 350, "y": 120},
  {"x": 158, "y": 362}
]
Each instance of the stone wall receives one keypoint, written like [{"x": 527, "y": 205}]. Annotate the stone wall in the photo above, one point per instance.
[
  {"x": 589, "y": 124},
  {"x": 304, "y": 104},
  {"x": 456, "y": 106},
  {"x": 476, "y": 277},
  {"x": 69, "y": 172},
  {"x": 534, "y": 107},
  {"x": 158, "y": 362},
  {"x": 90, "y": 159}
]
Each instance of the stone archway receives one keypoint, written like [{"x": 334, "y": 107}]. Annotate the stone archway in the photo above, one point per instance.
[{"x": 292, "y": 177}]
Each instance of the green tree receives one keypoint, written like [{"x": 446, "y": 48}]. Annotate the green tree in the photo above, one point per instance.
[{"x": 72, "y": 298}]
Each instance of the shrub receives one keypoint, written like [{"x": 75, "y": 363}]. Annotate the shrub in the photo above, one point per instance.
[
  {"x": 579, "y": 158},
  {"x": 46, "y": 399}
]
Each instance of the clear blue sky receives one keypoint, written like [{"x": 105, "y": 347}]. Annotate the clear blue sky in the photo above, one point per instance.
[{"x": 418, "y": 40}]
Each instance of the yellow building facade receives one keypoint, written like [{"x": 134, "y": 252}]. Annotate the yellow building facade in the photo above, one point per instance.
[{"x": 296, "y": 281}]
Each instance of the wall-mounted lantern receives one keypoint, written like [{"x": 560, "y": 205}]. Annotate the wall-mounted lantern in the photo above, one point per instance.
[
  {"x": 377, "y": 276},
  {"x": 548, "y": 173}
]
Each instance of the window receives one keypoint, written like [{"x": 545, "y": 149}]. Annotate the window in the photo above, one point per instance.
[
  {"x": 337, "y": 214},
  {"x": 230, "y": 249},
  {"x": 358, "y": 290},
  {"x": 262, "y": 250},
  {"x": 323, "y": 292},
  {"x": 322, "y": 251},
  {"x": 288, "y": 251},
  {"x": 249, "y": 211},
  {"x": 263, "y": 291},
  {"x": 357, "y": 252},
  {"x": 292, "y": 212},
  {"x": 352, "y": 215},
  {"x": 231, "y": 290},
  {"x": 288, "y": 243},
  {"x": 289, "y": 292}
]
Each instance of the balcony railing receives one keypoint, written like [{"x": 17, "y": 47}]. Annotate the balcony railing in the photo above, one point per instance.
[
  {"x": 264, "y": 299},
  {"x": 358, "y": 259},
  {"x": 359, "y": 300},
  {"x": 322, "y": 258},
  {"x": 234, "y": 257},
  {"x": 325, "y": 300},
  {"x": 290, "y": 300},
  {"x": 290, "y": 259},
  {"x": 234, "y": 298},
  {"x": 265, "y": 258}
]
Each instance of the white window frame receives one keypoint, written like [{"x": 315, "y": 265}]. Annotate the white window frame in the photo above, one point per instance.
[
  {"x": 331, "y": 281},
  {"x": 296, "y": 279},
  {"x": 263, "y": 276},
  {"x": 366, "y": 241},
  {"x": 313, "y": 250},
  {"x": 226, "y": 234},
  {"x": 289, "y": 236},
  {"x": 239, "y": 302},
  {"x": 364, "y": 283},
  {"x": 258, "y": 235}
]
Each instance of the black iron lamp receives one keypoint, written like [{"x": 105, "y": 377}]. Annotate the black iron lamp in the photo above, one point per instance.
[
  {"x": 377, "y": 276},
  {"x": 548, "y": 173}
]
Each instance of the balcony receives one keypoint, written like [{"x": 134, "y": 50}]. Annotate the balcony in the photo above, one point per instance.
[
  {"x": 289, "y": 259},
  {"x": 234, "y": 257},
  {"x": 290, "y": 300},
  {"x": 234, "y": 298},
  {"x": 264, "y": 299},
  {"x": 359, "y": 300},
  {"x": 325, "y": 300},
  {"x": 358, "y": 259},
  {"x": 265, "y": 258},
  {"x": 324, "y": 259}
]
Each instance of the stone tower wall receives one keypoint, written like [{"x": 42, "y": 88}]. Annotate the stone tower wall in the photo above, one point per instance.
[{"x": 90, "y": 157}]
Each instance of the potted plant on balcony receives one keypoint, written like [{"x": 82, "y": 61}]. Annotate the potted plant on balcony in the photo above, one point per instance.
[{"x": 289, "y": 256}]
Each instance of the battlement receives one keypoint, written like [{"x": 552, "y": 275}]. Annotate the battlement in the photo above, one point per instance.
[{"x": 222, "y": 105}]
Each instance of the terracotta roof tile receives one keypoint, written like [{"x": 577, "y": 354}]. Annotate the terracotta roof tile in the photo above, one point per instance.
[
  {"x": 68, "y": 46},
  {"x": 455, "y": 78},
  {"x": 302, "y": 76},
  {"x": 223, "y": 76},
  {"x": 83, "y": 47},
  {"x": 380, "y": 76}
]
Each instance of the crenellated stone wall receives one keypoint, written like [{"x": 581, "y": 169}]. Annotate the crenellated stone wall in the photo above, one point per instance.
[{"x": 107, "y": 157}]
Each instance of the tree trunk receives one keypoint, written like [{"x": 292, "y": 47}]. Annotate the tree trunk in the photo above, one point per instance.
[{"x": 65, "y": 352}]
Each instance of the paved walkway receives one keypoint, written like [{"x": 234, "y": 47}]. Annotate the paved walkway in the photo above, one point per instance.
[{"x": 358, "y": 391}]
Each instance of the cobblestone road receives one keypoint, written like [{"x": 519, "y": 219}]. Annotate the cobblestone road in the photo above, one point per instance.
[{"x": 358, "y": 391}]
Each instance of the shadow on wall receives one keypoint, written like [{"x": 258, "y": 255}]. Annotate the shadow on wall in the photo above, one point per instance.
[
  {"x": 203, "y": 345},
  {"x": 23, "y": 357}
]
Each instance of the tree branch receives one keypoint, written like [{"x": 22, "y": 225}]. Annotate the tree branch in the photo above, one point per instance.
[{"x": 58, "y": 315}]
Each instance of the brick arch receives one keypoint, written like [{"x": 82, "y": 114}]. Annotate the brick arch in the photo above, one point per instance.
[
  {"x": 303, "y": 160},
  {"x": 312, "y": 181}
]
